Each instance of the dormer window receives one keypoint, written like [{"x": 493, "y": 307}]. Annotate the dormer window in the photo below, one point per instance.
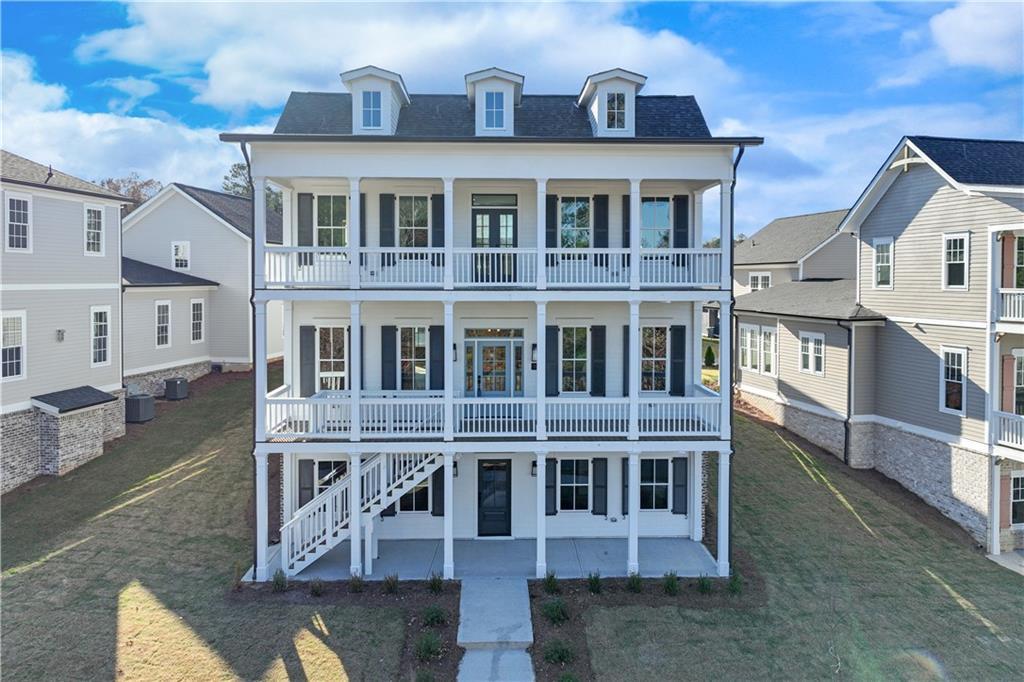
[
  {"x": 371, "y": 109},
  {"x": 494, "y": 110},
  {"x": 616, "y": 111}
]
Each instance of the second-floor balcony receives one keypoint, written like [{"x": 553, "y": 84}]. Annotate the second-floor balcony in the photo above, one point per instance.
[{"x": 1011, "y": 305}]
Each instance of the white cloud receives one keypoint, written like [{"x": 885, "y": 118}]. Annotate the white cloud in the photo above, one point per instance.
[
  {"x": 19, "y": 85},
  {"x": 134, "y": 90},
  {"x": 986, "y": 35}
]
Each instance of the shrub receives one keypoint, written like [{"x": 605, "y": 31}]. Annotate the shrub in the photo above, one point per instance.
[
  {"x": 316, "y": 587},
  {"x": 280, "y": 582},
  {"x": 671, "y": 583},
  {"x": 391, "y": 583},
  {"x": 435, "y": 583},
  {"x": 634, "y": 583},
  {"x": 567, "y": 677},
  {"x": 434, "y": 616},
  {"x": 594, "y": 583},
  {"x": 424, "y": 676},
  {"x": 558, "y": 652},
  {"x": 555, "y": 611},
  {"x": 356, "y": 583},
  {"x": 704, "y": 585},
  {"x": 551, "y": 583},
  {"x": 735, "y": 583},
  {"x": 428, "y": 646},
  {"x": 709, "y": 357}
]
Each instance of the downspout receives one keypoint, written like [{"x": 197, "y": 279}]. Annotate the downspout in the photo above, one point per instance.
[
  {"x": 252, "y": 343},
  {"x": 849, "y": 390},
  {"x": 733, "y": 342}
]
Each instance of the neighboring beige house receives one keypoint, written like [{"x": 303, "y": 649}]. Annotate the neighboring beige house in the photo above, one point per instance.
[
  {"x": 60, "y": 364},
  {"x": 187, "y": 286}
]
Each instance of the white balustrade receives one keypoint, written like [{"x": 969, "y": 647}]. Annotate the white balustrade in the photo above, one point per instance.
[
  {"x": 1011, "y": 305},
  {"x": 317, "y": 417},
  {"x": 587, "y": 416},
  {"x": 1010, "y": 429},
  {"x": 289, "y": 266},
  {"x": 587, "y": 267},
  {"x": 398, "y": 415},
  {"x": 495, "y": 267},
  {"x": 677, "y": 416},
  {"x": 495, "y": 416},
  {"x": 316, "y": 525},
  {"x": 401, "y": 266},
  {"x": 681, "y": 267}
]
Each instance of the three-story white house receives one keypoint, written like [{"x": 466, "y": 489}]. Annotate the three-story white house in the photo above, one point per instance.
[{"x": 491, "y": 306}]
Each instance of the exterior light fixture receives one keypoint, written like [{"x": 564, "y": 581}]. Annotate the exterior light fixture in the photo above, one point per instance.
[
  {"x": 533, "y": 469},
  {"x": 533, "y": 361}
]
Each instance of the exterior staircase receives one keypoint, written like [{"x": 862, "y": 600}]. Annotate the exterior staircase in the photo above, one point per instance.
[{"x": 325, "y": 521}]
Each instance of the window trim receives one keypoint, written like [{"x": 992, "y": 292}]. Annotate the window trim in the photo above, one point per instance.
[
  {"x": 156, "y": 323},
  {"x": 667, "y": 358},
  {"x": 874, "y": 262},
  {"x": 759, "y": 273},
  {"x": 398, "y": 358},
  {"x": 346, "y": 335},
  {"x": 811, "y": 337},
  {"x": 364, "y": 109},
  {"x": 188, "y": 248},
  {"x": 316, "y": 219},
  {"x": 92, "y": 333},
  {"x": 561, "y": 357},
  {"x": 23, "y": 315},
  {"x": 8, "y": 195},
  {"x": 590, "y": 483},
  {"x": 962, "y": 351},
  {"x": 608, "y": 110},
  {"x": 640, "y": 483},
  {"x": 398, "y": 223},
  {"x": 103, "y": 230},
  {"x": 496, "y": 109},
  {"x": 417, "y": 512},
  {"x": 1017, "y": 473},
  {"x": 202, "y": 320},
  {"x": 590, "y": 217},
  {"x": 671, "y": 219},
  {"x": 966, "y": 236}
]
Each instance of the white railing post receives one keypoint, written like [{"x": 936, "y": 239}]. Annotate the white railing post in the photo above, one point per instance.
[
  {"x": 449, "y": 233},
  {"x": 633, "y": 544},
  {"x": 725, "y": 232},
  {"x": 449, "y": 370},
  {"x": 634, "y": 235},
  {"x": 634, "y": 370},
  {"x": 355, "y": 370},
  {"x": 259, "y": 366},
  {"x": 723, "y": 513},
  {"x": 355, "y": 513},
  {"x": 262, "y": 571},
  {"x": 259, "y": 204},
  {"x": 449, "y": 516},
  {"x": 697, "y": 496},
  {"x": 542, "y": 350},
  {"x": 542, "y": 217},
  {"x": 725, "y": 368},
  {"x": 354, "y": 211},
  {"x": 542, "y": 537}
]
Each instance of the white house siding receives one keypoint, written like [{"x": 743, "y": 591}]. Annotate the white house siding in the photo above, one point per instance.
[
  {"x": 865, "y": 364},
  {"x": 780, "y": 274},
  {"x": 837, "y": 259},
  {"x": 140, "y": 353},
  {"x": 828, "y": 392}
]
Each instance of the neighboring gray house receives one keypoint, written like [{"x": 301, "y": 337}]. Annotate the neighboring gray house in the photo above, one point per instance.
[
  {"x": 61, "y": 314},
  {"x": 187, "y": 285}
]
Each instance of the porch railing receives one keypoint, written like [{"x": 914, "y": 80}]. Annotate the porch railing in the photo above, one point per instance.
[
  {"x": 1010, "y": 429},
  {"x": 681, "y": 267},
  {"x": 495, "y": 417},
  {"x": 673, "y": 416},
  {"x": 326, "y": 417},
  {"x": 402, "y": 416},
  {"x": 587, "y": 416},
  {"x": 495, "y": 267},
  {"x": 1011, "y": 306},
  {"x": 306, "y": 266},
  {"x": 587, "y": 267},
  {"x": 401, "y": 266}
]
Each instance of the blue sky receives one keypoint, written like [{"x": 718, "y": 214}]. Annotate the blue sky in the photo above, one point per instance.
[{"x": 103, "y": 89}]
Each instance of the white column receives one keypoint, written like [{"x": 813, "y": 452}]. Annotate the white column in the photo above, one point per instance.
[
  {"x": 697, "y": 496},
  {"x": 449, "y": 233},
  {"x": 697, "y": 354},
  {"x": 259, "y": 328},
  {"x": 286, "y": 346},
  {"x": 633, "y": 544},
  {"x": 287, "y": 224},
  {"x": 355, "y": 369},
  {"x": 698, "y": 218},
  {"x": 634, "y": 370},
  {"x": 542, "y": 349},
  {"x": 994, "y": 493},
  {"x": 634, "y": 235},
  {"x": 288, "y": 484},
  {"x": 449, "y": 516},
  {"x": 354, "y": 210},
  {"x": 542, "y": 219},
  {"x": 542, "y": 519},
  {"x": 449, "y": 370},
  {"x": 259, "y": 202},
  {"x": 725, "y": 368},
  {"x": 262, "y": 570},
  {"x": 355, "y": 501},
  {"x": 368, "y": 546},
  {"x": 726, "y": 232},
  {"x": 723, "y": 513}
]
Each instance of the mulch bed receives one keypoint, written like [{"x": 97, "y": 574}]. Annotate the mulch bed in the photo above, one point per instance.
[
  {"x": 412, "y": 598},
  {"x": 578, "y": 599}
]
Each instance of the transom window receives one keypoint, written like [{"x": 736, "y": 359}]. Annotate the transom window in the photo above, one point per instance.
[
  {"x": 616, "y": 110},
  {"x": 812, "y": 353},
  {"x": 654, "y": 358},
  {"x": 94, "y": 230},
  {"x": 331, "y": 220},
  {"x": 1017, "y": 498},
  {"x": 413, "y": 221},
  {"x": 953, "y": 369},
  {"x": 12, "y": 353},
  {"x": 19, "y": 222},
  {"x": 494, "y": 110},
  {"x": 100, "y": 334},
  {"x": 883, "y": 263},
  {"x": 371, "y": 109},
  {"x": 654, "y": 484},
  {"x": 198, "y": 319},
  {"x": 575, "y": 223},
  {"x": 574, "y": 484},
  {"x": 332, "y": 354},
  {"x": 655, "y": 223},
  {"x": 163, "y": 324},
  {"x": 760, "y": 280},
  {"x": 412, "y": 351},
  {"x": 574, "y": 359},
  {"x": 417, "y": 499},
  {"x": 181, "y": 255},
  {"x": 954, "y": 261}
]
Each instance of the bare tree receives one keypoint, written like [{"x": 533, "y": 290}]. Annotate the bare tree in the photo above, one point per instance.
[{"x": 134, "y": 187}]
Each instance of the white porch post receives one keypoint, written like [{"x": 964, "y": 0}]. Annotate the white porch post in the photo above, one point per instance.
[
  {"x": 259, "y": 365},
  {"x": 262, "y": 536},
  {"x": 723, "y": 513},
  {"x": 634, "y": 235},
  {"x": 634, "y": 370},
  {"x": 449, "y": 232},
  {"x": 633, "y": 544},
  {"x": 697, "y": 496},
  {"x": 449, "y": 516},
  {"x": 725, "y": 368},
  {"x": 994, "y": 492},
  {"x": 368, "y": 543},
  {"x": 259, "y": 203},
  {"x": 287, "y": 484},
  {"x": 355, "y": 519},
  {"x": 287, "y": 224},
  {"x": 449, "y": 369},
  {"x": 355, "y": 370},
  {"x": 286, "y": 345},
  {"x": 542, "y": 218},
  {"x": 542, "y": 349},
  {"x": 542, "y": 530},
  {"x": 725, "y": 232},
  {"x": 698, "y": 218},
  {"x": 697, "y": 344},
  {"x": 354, "y": 236}
]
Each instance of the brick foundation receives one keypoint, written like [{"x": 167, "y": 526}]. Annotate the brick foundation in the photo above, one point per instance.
[
  {"x": 153, "y": 382},
  {"x": 19, "y": 448},
  {"x": 1010, "y": 538},
  {"x": 827, "y": 433}
]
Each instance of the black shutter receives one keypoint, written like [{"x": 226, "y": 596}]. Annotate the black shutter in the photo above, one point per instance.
[
  {"x": 550, "y": 487},
  {"x": 599, "y": 465},
  {"x": 437, "y": 357},
  {"x": 601, "y": 221},
  {"x": 597, "y": 360},
  {"x": 625, "y": 485},
  {"x": 625, "y": 360},
  {"x": 677, "y": 360},
  {"x": 388, "y": 358},
  {"x": 307, "y": 360},
  {"x": 305, "y": 235},
  {"x": 625, "y": 221},
  {"x": 437, "y": 220},
  {"x": 305, "y": 482},
  {"x": 681, "y": 221},
  {"x": 680, "y": 479},
  {"x": 551, "y": 361},
  {"x": 387, "y": 220},
  {"x": 551, "y": 224},
  {"x": 362, "y": 226},
  {"x": 362, "y": 356},
  {"x": 437, "y": 493}
]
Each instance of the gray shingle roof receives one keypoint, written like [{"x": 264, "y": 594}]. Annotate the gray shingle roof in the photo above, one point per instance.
[
  {"x": 976, "y": 162},
  {"x": 234, "y": 210},
  {"x": 787, "y": 240},
  {"x": 74, "y": 398},
  {"x": 829, "y": 299},
  {"x": 18, "y": 169},
  {"x": 137, "y": 273},
  {"x": 541, "y": 116}
]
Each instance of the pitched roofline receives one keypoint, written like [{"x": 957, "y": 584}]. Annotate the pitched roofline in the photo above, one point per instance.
[
  {"x": 57, "y": 188},
  {"x": 153, "y": 202},
  {"x": 820, "y": 246},
  {"x": 316, "y": 137}
]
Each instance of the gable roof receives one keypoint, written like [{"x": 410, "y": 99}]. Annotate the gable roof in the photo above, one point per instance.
[
  {"x": 787, "y": 240},
  {"x": 19, "y": 170},
  {"x": 72, "y": 399},
  {"x": 236, "y": 211},
  {"x": 137, "y": 273},
  {"x": 975, "y": 162},
  {"x": 828, "y": 299}
]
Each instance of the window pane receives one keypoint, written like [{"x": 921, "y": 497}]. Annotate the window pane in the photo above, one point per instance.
[
  {"x": 661, "y": 470},
  {"x": 646, "y": 470},
  {"x": 646, "y": 497},
  {"x": 567, "y": 499},
  {"x": 661, "y": 497}
]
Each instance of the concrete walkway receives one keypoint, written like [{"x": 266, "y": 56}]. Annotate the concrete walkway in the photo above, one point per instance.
[
  {"x": 1013, "y": 560},
  {"x": 495, "y": 629}
]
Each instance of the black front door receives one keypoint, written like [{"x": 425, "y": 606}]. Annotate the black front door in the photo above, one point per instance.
[{"x": 494, "y": 497}]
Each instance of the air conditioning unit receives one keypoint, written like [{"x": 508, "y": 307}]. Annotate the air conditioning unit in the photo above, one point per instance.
[
  {"x": 139, "y": 408},
  {"x": 175, "y": 388}
]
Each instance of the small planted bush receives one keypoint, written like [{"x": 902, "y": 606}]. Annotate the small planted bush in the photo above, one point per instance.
[
  {"x": 434, "y": 616},
  {"x": 735, "y": 585},
  {"x": 634, "y": 583},
  {"x": 280, "y": 582},
  {"x": 594, "y": 583},
  {"x": 704, "y": 585},
  {"x": 551, "y": 583},
  {"x": 671, "y": 583},
  {"x": 435, "y": 583},
  {"x": 316, "y": 587},
  {"x": 428, "y": 646},
  {"x": 356, "y": 584},
  {"x": 558, "y": 652},
  {"x": 555, "y": 611},
  {"x": 391, "y": 583}
]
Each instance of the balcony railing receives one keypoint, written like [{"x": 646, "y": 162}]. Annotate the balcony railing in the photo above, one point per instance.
[
  {"x": 1010, "y": 429},
  {"x": 1011, "y": 305},
  {"x": 495, "y": 267},
  {"x": 391, "y": 267},
  {"x": 587, "y": 267}
]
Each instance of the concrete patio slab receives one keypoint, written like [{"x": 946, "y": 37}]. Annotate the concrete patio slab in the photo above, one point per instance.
[
  {"x": 496, "y": 665},
  {"x": 494, "y": 613}
]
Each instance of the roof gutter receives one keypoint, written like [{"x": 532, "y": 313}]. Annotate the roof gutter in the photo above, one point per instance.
[
  {"x": 733, "y": 342},
  {"x": 849, "y": 390},
  {"x": 302, "y": 137}
]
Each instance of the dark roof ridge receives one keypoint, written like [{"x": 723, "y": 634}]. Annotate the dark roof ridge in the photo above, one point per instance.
[
  {"x": 810, "y": 213},
  {"x": 965, "y": 139},
  {"x": 184, "y": 185}
]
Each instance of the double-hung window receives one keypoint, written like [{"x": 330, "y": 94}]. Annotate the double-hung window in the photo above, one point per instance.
[
  {"x": 768, "y": 343},
  {"x": 1018, "y": 271},
  {"x": 93, "y": 230},
  {"x": 1018, "y": 381},
  {"x": 12, "y": 353},
  {"x": 494, "y": 110},
  {"x": 181, "y": 255},
  {"x": 750, "y": 347},
  {"x": 955, "y": 252},
  {"x": 882, "y": 262},
  {"x": 654, "y": 484},
  {"x": 371, "y": 109},
  {"x": 99, "y": 330},
  {"x": 413, "y": 221},
  {"x": 954, "y": 369},
  {"x": 18, "y": 219},
  {"x": 331, "y": 220},
  {"x": 760, "y": 280},
  {"x": 655, "y": 223},
  {"x": 575, "y": 355},
  {"x": 812, "y": 353},
  {"x": 574, "y": 484},
  {"x": 1017, "y": 498},
  {"x": 198, "y": 319},
  {"x": 163, "y": 324},
  {"x": 654, "y": 358},
  {"x": 417, "y": 499},
  {"x": 332, "y": 359},
  {"x": 616, "y": 103},
  {"x": 412, "y": 361},
  {"x": 575, "y": 223}
]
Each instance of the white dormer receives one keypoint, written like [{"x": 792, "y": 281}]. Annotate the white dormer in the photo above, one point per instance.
[
  {"x": 610, "y": 99},
  {"x": 494, "y": 93},
  {"x": 378, "y": 96}
]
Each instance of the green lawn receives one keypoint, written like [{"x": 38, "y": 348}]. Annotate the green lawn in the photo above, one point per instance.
[{"x": 860, "y": 585}]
